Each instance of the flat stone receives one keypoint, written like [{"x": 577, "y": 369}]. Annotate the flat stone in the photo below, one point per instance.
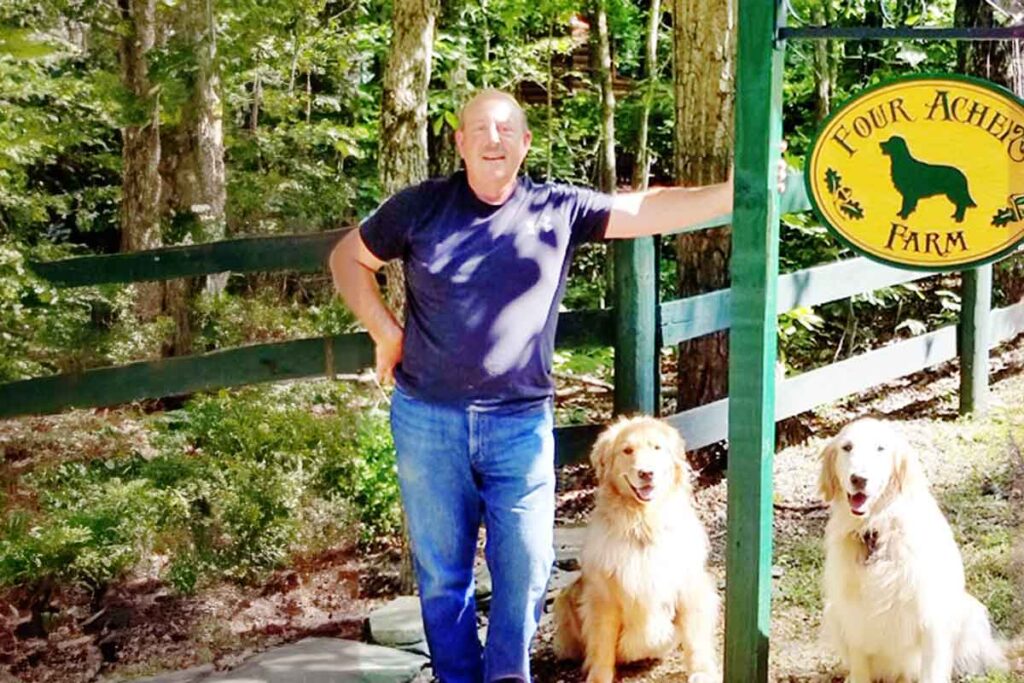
[
  {"x": 559, "y": 580},
  {"x": 398, "y": 623},
  {"x": 568, "y": 544},
  {"x": 326, "y": 660},
  {"x": 483, "y": 585}
]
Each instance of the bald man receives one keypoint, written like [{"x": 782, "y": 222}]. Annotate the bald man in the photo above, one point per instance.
[{"x": 485, "y": 254}]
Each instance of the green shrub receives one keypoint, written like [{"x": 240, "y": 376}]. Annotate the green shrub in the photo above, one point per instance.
[{"x": 241, "y": 481}]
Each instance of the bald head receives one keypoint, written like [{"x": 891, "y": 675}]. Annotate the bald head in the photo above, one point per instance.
[{"x": 491, "y": 95}]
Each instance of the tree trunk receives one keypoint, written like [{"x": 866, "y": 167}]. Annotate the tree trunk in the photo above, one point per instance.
[
  {"x": 193, "y": 164},
  {"x": 140, "y": 191},
  {"x": 403, "y": 129},
  {"x": 704, "y": 33},
  {"x": 601, "y": 59},
  {"x": 825, "y": 64},
  {"x": 603, "y": 55},
  {"x": 642, "y": 166},
  {"x": 403, "y": 151}
]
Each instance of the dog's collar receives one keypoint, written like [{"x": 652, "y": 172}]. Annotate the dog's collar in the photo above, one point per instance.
[{"x": 869, "y": 542}]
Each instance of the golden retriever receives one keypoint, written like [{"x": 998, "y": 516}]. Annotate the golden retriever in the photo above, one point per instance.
[
  {"x": 643, "y": 588},
  {"x": 896, "y": 608}
]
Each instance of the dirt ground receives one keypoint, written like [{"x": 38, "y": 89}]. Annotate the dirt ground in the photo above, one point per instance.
[{"x": 140, "y": 627}]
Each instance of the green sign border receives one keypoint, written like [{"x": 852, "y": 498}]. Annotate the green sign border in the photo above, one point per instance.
[{"x": 808, "y": 180}]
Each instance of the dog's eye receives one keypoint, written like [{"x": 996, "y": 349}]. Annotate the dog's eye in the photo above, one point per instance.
[
  {"x": 847, "y": 447},
  {"x": 628, "y": 450}
]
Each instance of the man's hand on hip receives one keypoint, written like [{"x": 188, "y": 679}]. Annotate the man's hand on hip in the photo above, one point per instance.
[{"x": 389, "y": 355}]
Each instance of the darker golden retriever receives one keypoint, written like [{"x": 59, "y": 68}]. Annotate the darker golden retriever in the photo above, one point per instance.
[{"x": 644, "y": 589}]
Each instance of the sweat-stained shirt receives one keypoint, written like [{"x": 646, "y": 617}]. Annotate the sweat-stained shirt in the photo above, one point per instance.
[{"x": 483, "y": 282}]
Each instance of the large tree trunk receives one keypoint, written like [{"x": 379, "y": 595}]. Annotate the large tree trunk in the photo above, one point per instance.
[
  {"x": 403, "y": 134},
  {"x": 642, "y": 165},
  {"x": 193, "y": 164},
  {"x": 704, "y": 33},
  {"x": 403, "y": 121},
  {"x": 140, "y": 190}
]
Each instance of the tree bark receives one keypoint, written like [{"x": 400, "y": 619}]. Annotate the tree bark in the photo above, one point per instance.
[
  {"x": 642, "y": 165},
  {"x": 603, "y": 56},
  {"x": 403, "y": 129},
  {"x": 403, "y": 150},
  {"x": 140, "y": 190},
  {"x": 193, "y": 164},
  {"x": 704, "y": 36}
]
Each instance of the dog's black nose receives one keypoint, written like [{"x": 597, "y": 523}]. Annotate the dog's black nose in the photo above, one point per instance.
[
  {"x": 858, "y": 482},
  {"x": 645, "y": 475}
]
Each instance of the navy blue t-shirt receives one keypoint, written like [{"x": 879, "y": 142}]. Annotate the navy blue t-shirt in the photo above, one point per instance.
[{"x": 483, "y": 282}]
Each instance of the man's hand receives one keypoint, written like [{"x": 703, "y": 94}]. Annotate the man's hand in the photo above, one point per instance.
[
  {"x": 389, "y": 355},
  {"x": 781, "y": 171}
]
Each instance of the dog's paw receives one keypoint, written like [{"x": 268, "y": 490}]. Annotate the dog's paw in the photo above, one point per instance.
[
  {"x": 703, "y": 677},
  {"x": 599, "y": 675}
]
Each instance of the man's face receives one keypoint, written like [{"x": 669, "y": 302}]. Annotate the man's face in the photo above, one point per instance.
[{"x": 492, "y": 141}]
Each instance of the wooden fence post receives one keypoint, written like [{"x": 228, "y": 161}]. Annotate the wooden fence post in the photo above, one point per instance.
[
  {"x": 973, "y": 338},
  {"x": 635, "y": 333},
  {"x": 753, "y": 342}
]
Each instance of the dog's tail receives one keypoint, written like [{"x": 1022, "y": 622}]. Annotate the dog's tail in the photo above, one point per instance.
[{"x": 977, "y": 649}]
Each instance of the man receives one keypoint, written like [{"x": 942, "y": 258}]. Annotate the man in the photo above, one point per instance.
[{"x": 485, "y": 253}]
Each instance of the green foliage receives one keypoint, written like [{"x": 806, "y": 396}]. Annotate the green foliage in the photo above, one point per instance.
[{"x": 238, "y": 483}]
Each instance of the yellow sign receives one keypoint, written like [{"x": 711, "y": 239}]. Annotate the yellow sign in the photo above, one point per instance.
[{"x": 923, "y": 172}]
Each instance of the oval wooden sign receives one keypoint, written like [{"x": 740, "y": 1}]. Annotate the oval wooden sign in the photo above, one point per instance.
[{"x": 924, "y": 172}]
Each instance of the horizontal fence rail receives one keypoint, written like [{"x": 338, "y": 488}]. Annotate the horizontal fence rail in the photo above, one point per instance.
[
  {"x": 326, "y": 356},
  {"x": 708, "y": 424},
  {"x": 305, "y": 253},
  {"x": 271, "y": 362},
  {"x": 900, "y": 33}
]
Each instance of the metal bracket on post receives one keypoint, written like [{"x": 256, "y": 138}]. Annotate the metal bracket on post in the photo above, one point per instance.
[{"x": 781, "y": 21}]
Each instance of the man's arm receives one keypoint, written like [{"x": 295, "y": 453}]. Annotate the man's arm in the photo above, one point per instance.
[
  {"x": 662, "y": 209},
  {"x": 352, "y": 268}
]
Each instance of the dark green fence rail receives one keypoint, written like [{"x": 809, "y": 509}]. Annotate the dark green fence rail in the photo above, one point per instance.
[{"x": 676, "y": 321}]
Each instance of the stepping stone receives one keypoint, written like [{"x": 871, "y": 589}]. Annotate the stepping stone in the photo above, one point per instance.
[
  {"x": 398, "y": 623},
  {"x": 559, "y": 580},
  {"x": 483, "y": 588},
  {"x": 326, "y": 660},
  {"x": 568, "y": 543}
]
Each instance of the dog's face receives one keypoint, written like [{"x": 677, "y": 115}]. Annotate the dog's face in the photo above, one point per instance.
[
  {"x": 864, "y": 462},
  {"x": 894, "y": 145},
  {"x": 641, "y": 459}
]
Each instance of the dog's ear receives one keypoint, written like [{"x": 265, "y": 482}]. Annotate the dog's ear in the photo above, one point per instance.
[
  {"x": 603, "y": 451},
  {"x": 677, "y": 445},
  {"x": 828, "y": 480},
  {"x": 907, "y": 471}
]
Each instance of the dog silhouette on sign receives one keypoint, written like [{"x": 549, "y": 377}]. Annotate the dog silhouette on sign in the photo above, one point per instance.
[{"x": 915, "y": 180}]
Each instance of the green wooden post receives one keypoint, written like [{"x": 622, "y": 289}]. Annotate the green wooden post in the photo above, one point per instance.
[
  {"x": 974, "y": 329},
  {"x": 753, "y": 343},
  {"x": 635, "y": 310}
]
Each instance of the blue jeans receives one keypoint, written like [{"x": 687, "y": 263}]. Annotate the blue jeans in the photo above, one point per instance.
[{"x": 458, "y": 466}]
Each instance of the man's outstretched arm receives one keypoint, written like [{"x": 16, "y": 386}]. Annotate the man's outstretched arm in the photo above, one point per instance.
[
  {"x": 664, "y": 209},
  {"x": 352, "y": 269},
  {"x": 667, "y": 209}
]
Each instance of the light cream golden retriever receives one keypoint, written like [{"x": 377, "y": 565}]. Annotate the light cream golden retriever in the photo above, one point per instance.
[
  {"x": 643, "y": 589},
  {"x": 895, "y": 604}
]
